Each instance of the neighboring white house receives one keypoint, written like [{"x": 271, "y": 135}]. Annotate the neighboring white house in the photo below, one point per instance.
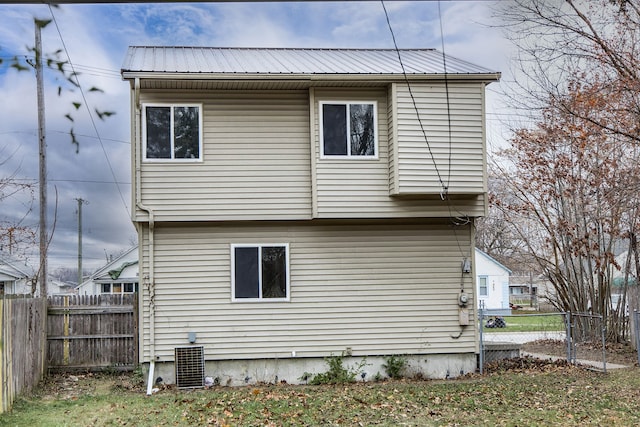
[
  {"x": 16, "y": 277},
  {"x": 119, "y": 276},
  {"x": 492, "y": 282},
  {"x": 292, "y": 204},
  {"x": 58, "y": 287}
]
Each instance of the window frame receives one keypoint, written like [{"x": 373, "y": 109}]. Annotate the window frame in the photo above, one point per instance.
[
  {"x": 486, "y": 286},
  {"x": 172, "y": 159},
  {"x": 112, "y": 285},
  {"x": 347, "y": 103},
  {"x": 259, "y": 246}
]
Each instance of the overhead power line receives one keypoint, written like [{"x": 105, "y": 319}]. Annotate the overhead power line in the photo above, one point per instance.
[{"x": 86, "y": 104}]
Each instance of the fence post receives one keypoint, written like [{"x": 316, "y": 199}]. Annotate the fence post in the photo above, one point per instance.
[
  {"x": 637, "y": 332},
  {"x": 567, "y": 323},
  {"x": 604, "y": 348},
  {"x": 3, "y": 349},
  {"x": 481, "y": 346},
  {"x": 65, "y": 331}
]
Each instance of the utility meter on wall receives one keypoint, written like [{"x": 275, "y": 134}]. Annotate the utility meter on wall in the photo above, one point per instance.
[{"x": 463, "y": 299}]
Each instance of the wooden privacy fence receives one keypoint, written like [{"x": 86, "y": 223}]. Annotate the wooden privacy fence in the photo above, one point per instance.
[
  {"x": 22, "y": 346},
  {"x": 92, "y": 332}
]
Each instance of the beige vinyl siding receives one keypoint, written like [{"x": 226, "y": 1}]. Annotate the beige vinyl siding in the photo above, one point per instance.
[
  {"x": 392, "y": 138},
  {"x": 378, "y": 288},
  {"x": 456, "y": 159},
  {"x": 359, "y": 188},
  {"x": 255, "y": 160}
]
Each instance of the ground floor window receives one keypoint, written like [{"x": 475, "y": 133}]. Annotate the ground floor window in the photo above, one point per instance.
[
  {"x": 119, "y": 288},
  {"x": 260, "y": 272}
]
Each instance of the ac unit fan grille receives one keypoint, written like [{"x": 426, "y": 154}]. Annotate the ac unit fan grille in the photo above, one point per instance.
[{"x": 189, "y": 365}]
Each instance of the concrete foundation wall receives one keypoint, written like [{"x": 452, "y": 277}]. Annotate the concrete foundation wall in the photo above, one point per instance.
[{"x": 292, "y": 370}]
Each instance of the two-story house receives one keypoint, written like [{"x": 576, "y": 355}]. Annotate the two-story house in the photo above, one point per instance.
[{"x": 292, "y": 204}]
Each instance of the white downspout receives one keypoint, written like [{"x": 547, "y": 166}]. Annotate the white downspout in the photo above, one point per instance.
[{"x": 151, "y": 279}]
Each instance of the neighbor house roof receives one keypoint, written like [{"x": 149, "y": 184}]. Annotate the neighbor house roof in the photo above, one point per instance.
[
  {"x": 12, "y": 269},
  {"x": 114, "y": 268},
  {"x": 289, "y": 63},
  {"x": 491, "y": 259}
]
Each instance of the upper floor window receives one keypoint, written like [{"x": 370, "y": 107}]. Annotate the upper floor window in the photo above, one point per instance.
[
  {"x": 348, "y": 129},
  {"x": 260, "y": 272},
  {"x": 172, "y": 132}
]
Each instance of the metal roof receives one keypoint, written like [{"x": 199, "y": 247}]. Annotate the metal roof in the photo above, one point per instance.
[{"x": 288, "y": 61}]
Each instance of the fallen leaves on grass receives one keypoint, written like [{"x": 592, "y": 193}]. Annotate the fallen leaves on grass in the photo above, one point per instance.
[{"x": 524, "y": 391}]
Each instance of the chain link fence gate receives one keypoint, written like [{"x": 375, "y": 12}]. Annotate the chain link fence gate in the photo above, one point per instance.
[{"x": 588, "y": 340}]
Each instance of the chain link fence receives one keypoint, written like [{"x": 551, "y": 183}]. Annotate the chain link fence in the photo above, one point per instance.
[{"x": 577, "y": 338}]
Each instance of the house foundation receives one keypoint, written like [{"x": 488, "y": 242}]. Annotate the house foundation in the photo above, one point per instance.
[{"x": 300, "y": 370}]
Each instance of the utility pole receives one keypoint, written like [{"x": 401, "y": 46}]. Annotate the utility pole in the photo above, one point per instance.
[
  {"x": 42, "y": 143},
  {"x": 80, "y": 203}
]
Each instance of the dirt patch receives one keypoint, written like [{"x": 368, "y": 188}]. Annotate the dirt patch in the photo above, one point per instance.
[
  {"x": 71, "y": 386},
  {"x": 623, "y": 354}
]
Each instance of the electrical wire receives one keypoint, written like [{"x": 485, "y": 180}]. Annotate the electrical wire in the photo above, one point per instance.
[
  {"x": 459, "y": 220},
  {"x": 86, "y": 69},
  {"x": 413, "y": 99},
  {"x": 446, "y": 90},
  {"x": 84, "y": 99}
]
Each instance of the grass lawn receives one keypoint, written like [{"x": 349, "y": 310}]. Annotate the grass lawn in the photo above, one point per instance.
[
  {"x": 528, "y": 394},
  {"x": 531, "y": 323}
]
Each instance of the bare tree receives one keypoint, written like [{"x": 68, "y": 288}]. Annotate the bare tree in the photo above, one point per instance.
[
  {"x": 594, "y": 41},
  {"x": 16, "y": 234},
  {"x": 496, "y": 234},
  {"x": 574, "y": 171},
  {"x": 577, "y": 183}
]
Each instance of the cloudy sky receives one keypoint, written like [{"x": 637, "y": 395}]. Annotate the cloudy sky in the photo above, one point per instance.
[{"x": 95, "y": 38}]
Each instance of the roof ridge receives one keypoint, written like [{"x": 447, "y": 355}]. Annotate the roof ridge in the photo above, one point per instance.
[{"x": 282, "y": 48}]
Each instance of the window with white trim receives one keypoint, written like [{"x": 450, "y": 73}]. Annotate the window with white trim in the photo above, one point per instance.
[
  {"x": 118, "y": 288},
  {"x": 260, "y": 272},
  {"x": 484, "y": 291},
  {"x": 172, "y": 132},
  {"x": 348, "y": 129}
]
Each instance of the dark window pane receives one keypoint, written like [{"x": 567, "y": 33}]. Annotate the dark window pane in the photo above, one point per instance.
[
  {"x": 246, "y": 273},
  {"x": 158, "y": 132},
  {"x": 106, "y": 288},
  {"x": 274, "y": 272},
  {"x": 334, "y": 129},
  {"x": 128, "y": 288},
  {"x": 186, "y": 133},
  {"x": 362, "y": 130}
]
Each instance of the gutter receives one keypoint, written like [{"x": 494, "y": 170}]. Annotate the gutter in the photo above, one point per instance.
[{"x": 150, "y": 282}]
